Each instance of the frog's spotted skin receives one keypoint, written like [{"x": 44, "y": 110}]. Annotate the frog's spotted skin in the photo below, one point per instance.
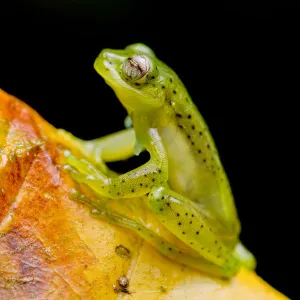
[
  {"x": 184, "y": 164},
  {"x": 176, "y": 213}
]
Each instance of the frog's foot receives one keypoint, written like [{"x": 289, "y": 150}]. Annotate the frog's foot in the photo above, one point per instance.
[
  {"x": 77, "y": 176},
  {"x": 245, "y": 256},
  {"x": 82, "y": 165},
  {"x": 173, "y": 252},
  {"x": 85, "y": 147},
  {"x": 182, "y": 218},
  {"x": 84, "y": 172}
]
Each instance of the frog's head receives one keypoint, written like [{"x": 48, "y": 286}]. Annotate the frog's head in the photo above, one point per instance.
[{"x": 135, "y": 75}]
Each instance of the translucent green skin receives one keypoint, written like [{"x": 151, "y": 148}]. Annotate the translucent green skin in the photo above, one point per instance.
[{"x": 188, "y": 188}]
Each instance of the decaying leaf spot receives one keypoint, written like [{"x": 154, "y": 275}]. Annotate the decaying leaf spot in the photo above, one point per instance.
[{"x": 122, "y": 251}]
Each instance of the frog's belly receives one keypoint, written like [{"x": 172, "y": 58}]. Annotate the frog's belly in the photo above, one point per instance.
[{"x": 185, "y": 176}]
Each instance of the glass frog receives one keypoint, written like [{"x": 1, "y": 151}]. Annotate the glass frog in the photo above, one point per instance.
[{"x": 186, "y": 185}]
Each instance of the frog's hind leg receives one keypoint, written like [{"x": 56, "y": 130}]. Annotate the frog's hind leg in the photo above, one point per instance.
[
  {"x": 171, "y": 251},
  {"x": 181, "y": 217}
]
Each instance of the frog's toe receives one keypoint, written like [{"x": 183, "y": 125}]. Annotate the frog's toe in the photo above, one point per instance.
[
  {"x": 245, "y": 256},
  {"x": 75, "y": 175},
  {"x": 81, "y": 165},
  {"x": 76, "y": 195},
  {"x": 83, "y": 172}
]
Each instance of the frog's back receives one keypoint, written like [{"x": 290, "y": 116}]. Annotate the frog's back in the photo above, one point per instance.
[{"x": 195, "y": 169}]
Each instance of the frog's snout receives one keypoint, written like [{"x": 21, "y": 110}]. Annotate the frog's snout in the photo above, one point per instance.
[{"x": 107, "y": 59}]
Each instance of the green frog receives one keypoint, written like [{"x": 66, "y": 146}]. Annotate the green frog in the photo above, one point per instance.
[{"x": 186, "y": 185}]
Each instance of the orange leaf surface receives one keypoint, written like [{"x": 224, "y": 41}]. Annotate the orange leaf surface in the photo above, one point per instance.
[{"x": 52, "y": 248}]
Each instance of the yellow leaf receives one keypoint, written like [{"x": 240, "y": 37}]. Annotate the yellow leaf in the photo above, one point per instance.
[{"x": 51, "y": 247}]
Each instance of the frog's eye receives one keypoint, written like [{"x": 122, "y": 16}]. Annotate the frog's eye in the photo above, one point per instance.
[{"x": 136, "y": 67}]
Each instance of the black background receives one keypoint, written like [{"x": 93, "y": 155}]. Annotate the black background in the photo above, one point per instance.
[{"x": 227, "y": 56}]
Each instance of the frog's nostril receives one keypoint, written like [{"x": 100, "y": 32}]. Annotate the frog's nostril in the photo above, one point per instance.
[{"x": 104, "y": 55}]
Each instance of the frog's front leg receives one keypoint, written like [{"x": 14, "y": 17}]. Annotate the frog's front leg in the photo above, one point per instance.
[
  {"x": 135, "y": 183},
  {"x": 182, "y": 218}
]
